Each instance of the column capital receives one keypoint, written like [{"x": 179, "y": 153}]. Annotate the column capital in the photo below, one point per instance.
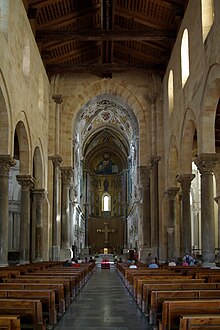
[
  {"x": 26, "y": 181},
  {"x": 57, "y": 98},
  {"x": 151, "y": 98},
  {"x": 6, "y": 162},
  {"x": 206, "y": 162},
  {"x": 56, "y": 160},
  {"x": 185, "y": 181},
  {"x": 144, "y": 174},
  {"x": 170, "y": 230},
  {"x": 40, "y": 194},
  {"x": 154, "y": 160},
  {"x": 66, "y": 175},
  {"x": 172, "y": 192}
]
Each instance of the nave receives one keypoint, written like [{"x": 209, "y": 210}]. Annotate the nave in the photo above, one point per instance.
[{"x": 103, "y": 304}]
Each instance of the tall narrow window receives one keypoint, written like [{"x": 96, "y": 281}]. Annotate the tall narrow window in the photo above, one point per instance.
[
  {"x": 4, "y": 16},
  {"x": 207, "y": 17},
  {"x": 106, "y": 202},
  {"x": 185, "y": 57},
  {"x": 170, "y": 92}
]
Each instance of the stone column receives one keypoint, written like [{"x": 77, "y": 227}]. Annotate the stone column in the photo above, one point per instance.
[
  {"x": 56, "y": 160},
  {"x": 151, "y": 98},
  {"x": 38, "y": 197},
  {"x": 217, "y": 199},
  {"x": 186, "y": 234},
  {"x": 58, "y": 100},
  {"x": 146, "y": 221},
  {"x": 155, "y": 204},
  {"x": 66, "y": 175},
  {"x": 171, "y": 193},
  {"x": 5, "y": 163},
  {"x": 26, "y": 182},
  {"x": 206, "y": 164}
]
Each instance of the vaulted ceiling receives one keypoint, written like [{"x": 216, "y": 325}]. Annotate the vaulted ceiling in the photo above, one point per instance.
[{"x": 105, "y": 36}]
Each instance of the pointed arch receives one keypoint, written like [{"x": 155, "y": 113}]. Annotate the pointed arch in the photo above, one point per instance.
[
  {"x": 209, "y": 103},
  {"x": 188, "y": 145},
  {"x": 76, "y": 101},
  {"x": 24, "y": 147},
  {"x": 5, "y": 122}
]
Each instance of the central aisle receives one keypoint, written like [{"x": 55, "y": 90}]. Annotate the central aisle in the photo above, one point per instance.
[{"x": 103, "y": 304}]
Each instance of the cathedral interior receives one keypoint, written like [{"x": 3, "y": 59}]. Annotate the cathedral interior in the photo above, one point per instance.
[{"x": 109, "y": 129}]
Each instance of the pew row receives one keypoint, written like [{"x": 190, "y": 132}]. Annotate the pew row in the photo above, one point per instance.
[
  {"x": 157, "y": 298},
  {"x": 10, "y": 322},
  {"x": 172, "y": 310},
  {"x": 30, "y": 312},
  {"x": 200, "y": 322},
  {"x": 47, "y": 298}
]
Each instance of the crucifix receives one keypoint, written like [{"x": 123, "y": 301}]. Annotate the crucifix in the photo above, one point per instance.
[{"x": 106, "y": 230}]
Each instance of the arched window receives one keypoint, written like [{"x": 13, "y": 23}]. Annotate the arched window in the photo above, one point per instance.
[
  {"x": 207, "y": 17},
  {"x": 170, "y": 92},
  {"x": 4, "y": 16},
  {"x": 185, "y": 57},
  {"x": 106, "y": 202}
]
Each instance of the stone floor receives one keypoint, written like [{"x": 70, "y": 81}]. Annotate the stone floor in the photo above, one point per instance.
[{"x": 103, "y": 304}]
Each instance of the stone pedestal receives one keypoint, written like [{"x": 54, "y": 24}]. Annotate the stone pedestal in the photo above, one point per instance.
[
  {"x": 206, "y": 164},
  {"x": 65, "y": 254},
  {"x": 145, "y": 186},
  {"x": 171, "y": 244},
  {"x": 186, "y": 235},
  {"x": 66, "y": 175},
  {"x": 26, "y": 182},
  {"x": 5, "y": 163},
  {"x": 56, "y": 160},
  {"x": 143, "y": 253}
]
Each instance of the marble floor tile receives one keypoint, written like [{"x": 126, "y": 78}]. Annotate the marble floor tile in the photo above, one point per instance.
[{"x": 103, "y": 304}]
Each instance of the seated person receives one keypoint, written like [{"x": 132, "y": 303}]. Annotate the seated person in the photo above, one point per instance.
[
  {"x": 153, "y": 264},
  {"x": 133, "y": 265}
]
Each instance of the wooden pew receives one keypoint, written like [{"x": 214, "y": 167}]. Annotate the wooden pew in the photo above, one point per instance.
[
  {"x": 148, "y": 288},
  {"x": 157, "y": 298},
  {"x": 10, "y": 322},
  {"x": 47, "y": 298},
  {"x": 172, "y": 311},
  {"x": 200, "y": 322},
  {"x": 57, "y": 288},
  {"x": 30, "y": 312},
  {"x": 140, "y": 295},
  {"x": 160, "y": 279},
  {"x": 46, "y": 280}
]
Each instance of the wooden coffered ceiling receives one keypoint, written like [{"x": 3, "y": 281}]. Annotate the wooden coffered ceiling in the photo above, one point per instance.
[{"x": 105, "y": 36}]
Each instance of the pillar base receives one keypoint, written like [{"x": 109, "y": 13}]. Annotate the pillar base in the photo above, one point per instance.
[
  {"x": 143, "y": 253},
  {"x": 55, "y": 253},
  {"x": 65, "y": 254},
  {"x": 3, "y": 265},
  {"x": 209, "y": 265}
]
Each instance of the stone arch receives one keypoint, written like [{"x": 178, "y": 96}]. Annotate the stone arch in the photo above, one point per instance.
[
  {"x": 172, "y": 163},
  {"x": 5, "y": 122},
  {"x": 38, "y": 169},
  {"x": 209, "y": 103},
  {"x": 187, "y": 146},
  {"x": 77, "y": 101},
  {"x": 24, "y": 147}
]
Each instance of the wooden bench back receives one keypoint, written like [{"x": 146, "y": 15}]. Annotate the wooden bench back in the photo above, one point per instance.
[
  {"x": 173, "y": 310},
  {"x": 200, "y": 322}
]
